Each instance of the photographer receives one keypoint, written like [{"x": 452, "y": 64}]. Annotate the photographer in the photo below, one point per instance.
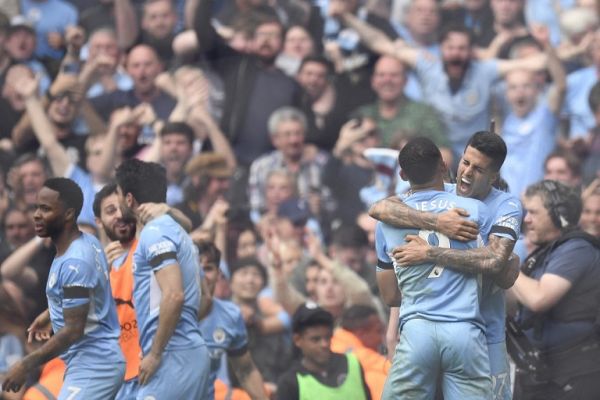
[{"x": 558, "y": 290}]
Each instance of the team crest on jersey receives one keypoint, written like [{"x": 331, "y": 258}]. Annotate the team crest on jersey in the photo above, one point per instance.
[
  {"x": 219, "y": 335},
  {"x": 472, "y": 97},
  {"x": 52, "y": 280}
]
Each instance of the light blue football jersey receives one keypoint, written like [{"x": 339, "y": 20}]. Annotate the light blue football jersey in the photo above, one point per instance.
[
  {"x": 507, "y": 215},
  {"x": 431, "y": 291},
  {"x": 224, "y": 332},
  {"x": 84, "y": 265},
  {"x": 163, "y": 242}
]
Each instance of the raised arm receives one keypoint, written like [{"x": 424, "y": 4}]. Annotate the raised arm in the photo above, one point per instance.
[
  {"x": 190, "y": 13},
  {"x": 556, "y": 69},
  {"x": 42, "y": 127},
  {"x": 378, "y": 41},
  {"x": 201, "y": 120},
  {"x": 356, "y": 288},
  {"x": 452, "y": 223},
  {"x": 283, "y": 292},
  {"x": 532, "y": 63},
  {"x": 201, "y": 19},
  {"x": 126, "y": 23},
  {"x": 108, "y": 157}
]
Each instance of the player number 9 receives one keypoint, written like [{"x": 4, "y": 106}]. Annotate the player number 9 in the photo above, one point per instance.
[{"x": 442, "y": 241}]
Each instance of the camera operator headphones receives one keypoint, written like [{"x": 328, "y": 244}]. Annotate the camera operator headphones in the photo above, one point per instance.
[{"x": 559, "y": 209}]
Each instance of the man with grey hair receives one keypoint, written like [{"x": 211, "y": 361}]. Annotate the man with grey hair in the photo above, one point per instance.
[
  {"x": 102, "y": 70},
  {"x": 287, "y": 130}
]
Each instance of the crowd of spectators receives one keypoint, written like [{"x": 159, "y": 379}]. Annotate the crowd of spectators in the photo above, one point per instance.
[{"x": 261, "y": 112}]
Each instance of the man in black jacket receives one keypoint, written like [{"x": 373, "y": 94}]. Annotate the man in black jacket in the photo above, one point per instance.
[{"x": 254, "y": 87}]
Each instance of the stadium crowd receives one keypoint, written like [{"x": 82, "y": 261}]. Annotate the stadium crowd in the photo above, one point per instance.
[{"x": 277, "y": 133}]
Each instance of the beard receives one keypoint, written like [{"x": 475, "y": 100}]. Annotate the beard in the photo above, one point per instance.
[
  {"x": 123, "y": 235},
  {"x": 54, "y": 228}
]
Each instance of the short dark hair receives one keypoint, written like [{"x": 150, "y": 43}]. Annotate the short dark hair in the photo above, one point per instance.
[
  {"x": 419, "y": 160},
  {"x": 573, "y": 162},
  {"x": 69, "y": 193},
  {"x": 456, "y": 28},
  {"x": 210, "y": 251},
  {"x": 491, "y": 145},
  {"x": 249, "y": 262},
  {"x": 265, "y": 14},
  {"x": 178, "y": 128},
  {"x": 594, "y": 97},
  {"x": 349, "y": 235},
  {"x": 319, "y": 60},
  {"x": 107, "y": 190},
  {"x": 355, "y": 317},
  {"x": 146, "y": 181},
  {"x": 309, "y": 315},
  {"x": 31, "y": 157}
]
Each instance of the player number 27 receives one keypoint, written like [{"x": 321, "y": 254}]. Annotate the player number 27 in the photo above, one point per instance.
[{"x": 442, "y": 241}]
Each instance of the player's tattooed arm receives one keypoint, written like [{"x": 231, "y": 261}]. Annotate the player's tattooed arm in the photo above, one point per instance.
[
  {"x": 491, "y": 259},
  {"x": 75, "y": 319},
  {"x": 394, "y": 212},
  {"x": 452, "y": 223},
  {"x": 248, "y": 375}
]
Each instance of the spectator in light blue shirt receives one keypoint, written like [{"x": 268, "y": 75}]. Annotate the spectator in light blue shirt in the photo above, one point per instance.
[
  {"x": 458, "y": 87},
  {"x": 50, "y": 18},
  {"x": 529, "y": 127},
  {"x": 579, "y": 85},
  {"x": 20, "y": 45},
  {"x": 104, "y": 58},
  {"x": 419, "y": 28}
]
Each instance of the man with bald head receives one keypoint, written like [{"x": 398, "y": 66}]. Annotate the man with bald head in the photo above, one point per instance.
[
  {"x": 393, "y": 112},
  {"x": 143, "y": 66}
]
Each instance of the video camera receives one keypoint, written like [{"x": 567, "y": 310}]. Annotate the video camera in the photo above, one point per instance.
[{"x": 526, "y": 356}]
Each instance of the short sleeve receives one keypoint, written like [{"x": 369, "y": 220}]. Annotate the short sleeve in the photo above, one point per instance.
[
  {"x": 239, "y": 341},
  {"x": 489, "y": 71},
  {"x": 562, "y": 260},
  {"x": 426, "y": 64},
  {"x": 77, "y": 279},
  {"x": 384, "y": 262},
  {"x": 484, "y": 221},
  {"x": 507, "y": 221},
  {"x": 161, "y": 249}
]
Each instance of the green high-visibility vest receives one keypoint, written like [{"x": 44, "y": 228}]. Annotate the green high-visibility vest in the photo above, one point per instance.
[{"x": 352, "y": 388}]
